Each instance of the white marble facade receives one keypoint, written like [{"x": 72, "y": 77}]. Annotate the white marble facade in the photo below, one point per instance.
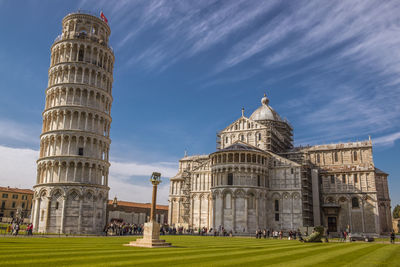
[
  {"x": 71, "y": 188},
  {"x": 258, "y": 180}
]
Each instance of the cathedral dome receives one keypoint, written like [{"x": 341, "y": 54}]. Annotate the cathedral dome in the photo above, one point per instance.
[{"x": 265, "y": 112}]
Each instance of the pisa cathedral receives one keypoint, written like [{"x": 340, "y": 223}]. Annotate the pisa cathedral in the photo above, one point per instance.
[
  {"x": 71, "y": 191},
  {"x": 257, "y": 179}
]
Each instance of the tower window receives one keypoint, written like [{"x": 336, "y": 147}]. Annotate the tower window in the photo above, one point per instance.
[
  {"x": 336, "y": 157},
  {"x": 80, "y": 151},
  {"x": 230, "y": 178},
  {"x": 355, "y": 178},
  {"x": 343, "y": 178},
  {"x": 259, "y": 136},
  {"x": 80, "y": 55},
  {"x": 355, "y": 203},
  {"x": 355, "y": 155},
  {"x": 277, "y": 205},
  {"x": 258, "y": 180},
  {"x": 291, "y": 170},
  {"x": 332, "y": 179},
  {"x": 277, "y": 217},
  {"x": 57, "y": 205}
]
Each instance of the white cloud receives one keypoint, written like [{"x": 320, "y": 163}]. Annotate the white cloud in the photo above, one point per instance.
[
  {"x": 18, "y": 167},
  {"x": 386, "y": 140},
  {"x": 138, "y": 193},
  {"x": 127, "y": 169}
]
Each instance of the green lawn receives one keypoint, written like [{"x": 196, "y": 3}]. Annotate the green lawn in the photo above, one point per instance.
[{"x": 192, "y": 251}]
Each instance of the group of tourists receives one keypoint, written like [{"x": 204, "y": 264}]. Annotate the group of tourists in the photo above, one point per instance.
[
  {"x": 267, "y": 233},
  {"x": 121, "y": 228},
  {"x": 15, "y": 227},
  {"x": 117, "y": 228}
]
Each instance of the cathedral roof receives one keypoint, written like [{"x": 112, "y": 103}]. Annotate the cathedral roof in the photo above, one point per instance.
[
  {"x": 379, "y": 171},
  {"x": 265, "y": 112},
  {"x": 241, "y": 146}
]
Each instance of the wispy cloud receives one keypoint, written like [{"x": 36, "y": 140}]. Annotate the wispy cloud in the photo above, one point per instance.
[
  {"x": 386, "y": 140},
  {"x": 350, "y": 51}
]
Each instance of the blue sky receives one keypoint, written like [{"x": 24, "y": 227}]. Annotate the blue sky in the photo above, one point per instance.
[{"x": 184, "y": 70}]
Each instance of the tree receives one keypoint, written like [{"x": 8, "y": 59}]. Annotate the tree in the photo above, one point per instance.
[{"x": 396, "y": 212}]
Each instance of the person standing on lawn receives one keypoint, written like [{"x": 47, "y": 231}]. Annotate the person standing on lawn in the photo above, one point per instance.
[{"x": 392, "y": 237}]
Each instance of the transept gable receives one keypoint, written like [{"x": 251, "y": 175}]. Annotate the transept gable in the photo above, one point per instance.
[
  {"x": 240, "y": 145},
  {"x": 238, "y": 125},
  {"x": 203, "y": 166}
]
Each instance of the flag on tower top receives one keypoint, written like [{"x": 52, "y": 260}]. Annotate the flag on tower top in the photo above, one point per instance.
[{"x": 103, "y": 17}]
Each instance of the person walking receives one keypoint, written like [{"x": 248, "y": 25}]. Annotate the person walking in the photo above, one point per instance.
[{"x": 392, "y": 237}]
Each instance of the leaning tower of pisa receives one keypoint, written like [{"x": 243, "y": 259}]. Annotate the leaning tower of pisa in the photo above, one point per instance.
[{"x": 71, "y": 190}]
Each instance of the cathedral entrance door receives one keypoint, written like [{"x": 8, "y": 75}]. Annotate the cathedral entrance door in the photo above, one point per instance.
[{"x": 332, "y": 225}]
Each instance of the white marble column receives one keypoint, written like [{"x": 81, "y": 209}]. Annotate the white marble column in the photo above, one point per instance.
[
  {"x": 170, "y": 207},
  {"x": 213, "y": 212},
  {"x": 35, "y": 215},
  {"x": 377, "y": 223},
  {"x": 257, "y": 221},
  {"x": 362, "y": 215},
  {"x": 245, "y": 213},
  {"x": 63, "y": 215},
  {"x": 179, "y": 211},
  {"x": 222, "y": 209},
  {"x": 208, "y": 212},
  {"x": 80, "y": 214},
  {"x": 233, "y": 213},
  {"x": 46, "y": 222}
]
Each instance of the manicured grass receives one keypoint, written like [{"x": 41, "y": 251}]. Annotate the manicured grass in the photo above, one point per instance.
[{"x": 192, "y": 251}]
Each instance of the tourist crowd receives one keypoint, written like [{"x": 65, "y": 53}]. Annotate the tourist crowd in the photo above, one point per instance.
[{"x": 16, "y": 226}]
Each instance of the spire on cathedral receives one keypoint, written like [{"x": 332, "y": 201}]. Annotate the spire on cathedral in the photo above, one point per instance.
[{"x": 242, "y": 112}]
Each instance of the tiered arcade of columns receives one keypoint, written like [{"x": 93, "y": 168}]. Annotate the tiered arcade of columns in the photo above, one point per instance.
[{"x": 71, "y": 188}]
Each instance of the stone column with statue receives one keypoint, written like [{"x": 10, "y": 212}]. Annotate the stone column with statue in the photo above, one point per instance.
[{"x": 151, "y": 233}]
